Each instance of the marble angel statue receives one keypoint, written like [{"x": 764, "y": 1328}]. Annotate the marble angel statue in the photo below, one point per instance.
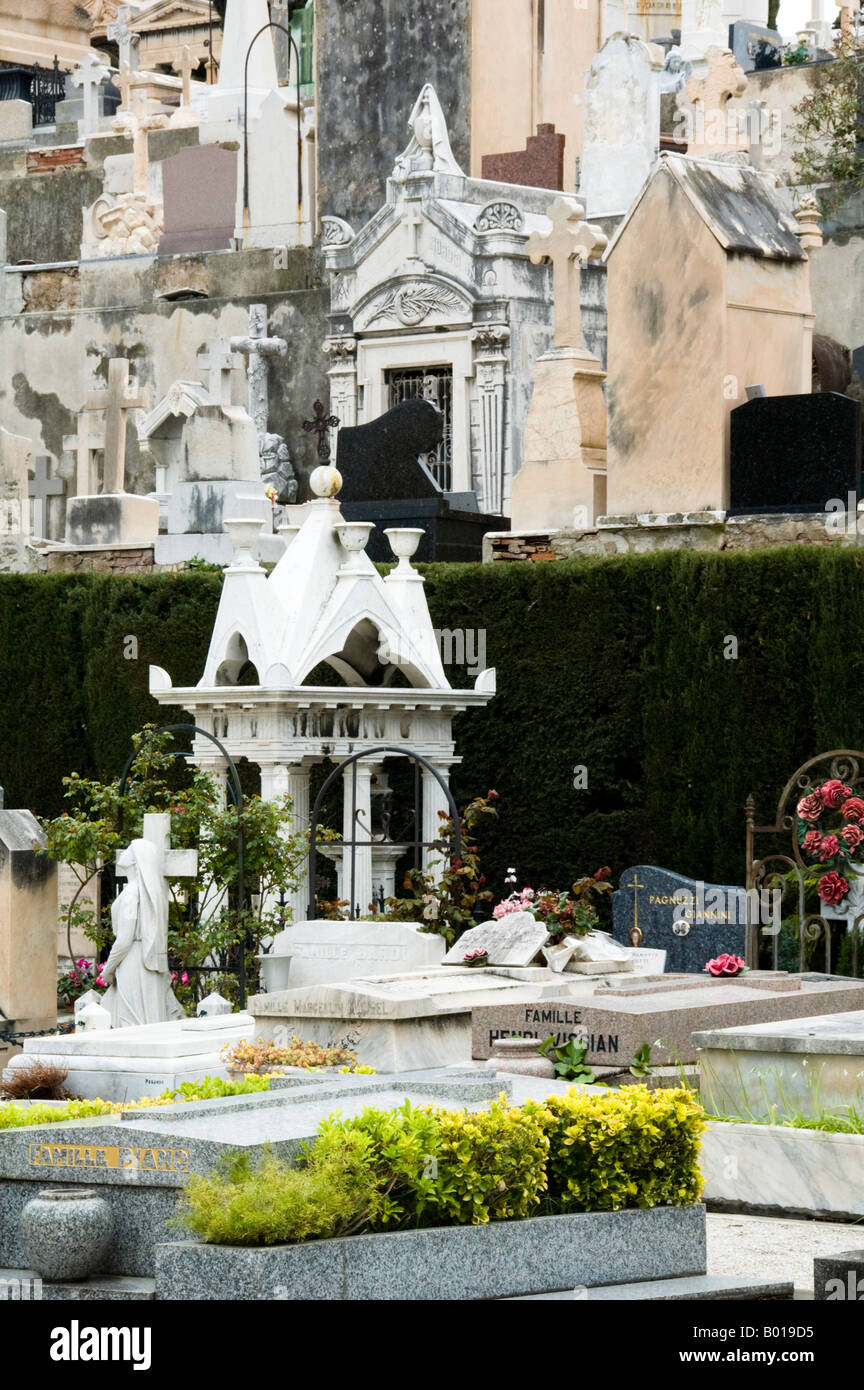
[{"x": 136, "y": 971}]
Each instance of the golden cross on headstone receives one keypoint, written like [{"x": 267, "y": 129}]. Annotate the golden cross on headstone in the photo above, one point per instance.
[
  {"x": 568, "y": 245},
  {"x": 635, "y": 885}
]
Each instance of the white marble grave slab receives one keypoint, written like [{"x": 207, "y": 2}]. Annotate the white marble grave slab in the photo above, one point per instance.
[{"x": 513, "y": 940}]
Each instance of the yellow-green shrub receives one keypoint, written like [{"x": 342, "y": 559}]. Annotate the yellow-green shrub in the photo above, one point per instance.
[
  {"x": 630, "y": 1148},
  {"x": 491, "y": 1165}
]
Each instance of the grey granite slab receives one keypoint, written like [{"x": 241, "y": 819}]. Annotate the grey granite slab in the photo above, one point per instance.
[
  {"x": 446, "y": 1263},
  {"x": 106, "y": 1288},
  {"x": 839, "y": 1278},
  {"x": 694, "y": 1287}
]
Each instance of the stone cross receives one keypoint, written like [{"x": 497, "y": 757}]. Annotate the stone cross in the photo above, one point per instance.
[
  {"x": 713, "y": 129},
  {"x": 568, "y": 245},
  {"x": 119, "y": 32},
  {"x": 90, "y": 75},
  {"x": 86, "y": 444},
  {"x": 414, "y": 221},
  {"x": 41, "y": 487},
  {"x": 184, "y": 67},
  {"x": 117, "y": 400},
  {"x": 135, "y": 118},
  {"x": 258, "y": 348},
  {"x": 321, "y": 426},
  {"x": 174, "y": 863},
  {"x": 219, "y": 362}
]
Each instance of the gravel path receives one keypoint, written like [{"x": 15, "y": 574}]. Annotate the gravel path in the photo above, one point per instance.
[{"x": 769, "y": 1247}]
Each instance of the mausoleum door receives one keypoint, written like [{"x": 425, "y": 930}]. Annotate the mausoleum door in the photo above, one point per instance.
[{"x": 380, "y": 360}]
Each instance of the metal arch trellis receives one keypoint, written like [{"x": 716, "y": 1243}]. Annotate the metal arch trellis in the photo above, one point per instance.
[
  {"x": 417, "y": 845},
  {"x": 237, "y": 797},
  {"x": 847, "y": 765}
]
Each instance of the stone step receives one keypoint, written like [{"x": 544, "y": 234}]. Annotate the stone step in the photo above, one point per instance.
[
  {"x": 24, "y": 1285},
  {"x": 694, "y": 1286}
]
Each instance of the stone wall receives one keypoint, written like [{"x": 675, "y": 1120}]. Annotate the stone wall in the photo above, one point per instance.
[
  {"x": 49, "y": 358},
  {"x": 372, "y": 62},
  {"x": 706, "y": 531}
]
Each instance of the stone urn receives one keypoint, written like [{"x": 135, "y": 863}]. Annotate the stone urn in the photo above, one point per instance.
[
  {"x": 521, "y": 1055},
  {"x": 66, "y": 1233}
]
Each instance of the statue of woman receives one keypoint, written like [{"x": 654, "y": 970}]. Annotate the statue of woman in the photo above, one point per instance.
[
  {"x": 136, "y": 971},
  {"x": 429, "y": 146}
]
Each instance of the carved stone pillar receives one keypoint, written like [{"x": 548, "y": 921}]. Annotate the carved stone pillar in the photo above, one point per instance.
[
  {"x": 490, "y": 341},
  {"x": 283, "y": 779},
  {"x": 343, "y": 381},
  {"x": 357, "y": 827},
  {"x": 434, "y": 800}
]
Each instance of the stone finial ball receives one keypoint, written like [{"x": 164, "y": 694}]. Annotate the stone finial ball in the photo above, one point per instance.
[{"x": 325, "y": 480}]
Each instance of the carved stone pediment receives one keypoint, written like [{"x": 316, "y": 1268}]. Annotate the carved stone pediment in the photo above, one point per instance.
[{"x": 412, "y": 303}]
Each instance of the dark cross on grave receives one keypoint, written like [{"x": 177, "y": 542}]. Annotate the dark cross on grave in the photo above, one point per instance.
[
  {"x": 42, "y": 486},
  {"x": 322, "y": 425}
]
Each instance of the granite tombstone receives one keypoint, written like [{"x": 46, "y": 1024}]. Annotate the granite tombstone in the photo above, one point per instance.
[
  {"x": 200, "y": 193},
  {"x": 386, "y": 480},
  {"x": 755, "y": 47},
  {"x": 794, "y": 453},
  {"x": 691, "y": 921}
]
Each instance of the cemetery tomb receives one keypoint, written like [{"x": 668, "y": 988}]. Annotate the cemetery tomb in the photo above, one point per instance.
[
  {"x": 798, "y": 1066},
  {"x": 617, "y": 1023}
]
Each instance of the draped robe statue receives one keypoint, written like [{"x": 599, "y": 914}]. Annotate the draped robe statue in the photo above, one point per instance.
[
  {"x": 429, "y": 146},
  {"x": 137, "y": 968}
]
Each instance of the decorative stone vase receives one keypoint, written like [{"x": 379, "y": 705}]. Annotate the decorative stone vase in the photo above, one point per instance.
[
  {"x": 66, "y": 1233},
  {"x": 520, "y": 1055}
]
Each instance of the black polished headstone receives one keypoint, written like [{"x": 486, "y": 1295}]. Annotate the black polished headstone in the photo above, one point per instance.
[
  {"x": 381, "y": 461},
  {"x": 692, "y": 931},
  {"x": 755, "y": 47},
  {"x": 794, "y": 453}
]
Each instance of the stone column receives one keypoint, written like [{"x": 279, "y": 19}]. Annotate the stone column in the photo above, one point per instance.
[
  {"x": 490, "y": 343},
  {"x": 434, "y": 800},
  {"x": 343, "y": 382},
  {"x": 284, "y": 779},
  {"x": 28, "y": 925},
  {"x": 357, "y": 826}
]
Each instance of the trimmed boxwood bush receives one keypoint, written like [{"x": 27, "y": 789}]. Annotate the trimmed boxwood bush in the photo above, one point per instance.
[
  {"x": 418, "y": 1167},
  {"x": 630, "y": 1148},
  {"x": 618, "y": 665}
]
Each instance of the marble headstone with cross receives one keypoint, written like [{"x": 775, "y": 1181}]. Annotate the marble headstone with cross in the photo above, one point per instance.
[
  {"x": 112, "y": 516},
  {"x": 260, "y": 352},
  {"x": 563, "y": 478}
]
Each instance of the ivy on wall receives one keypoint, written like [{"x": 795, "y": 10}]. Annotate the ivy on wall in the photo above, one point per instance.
[{"x": 617, "y": 675}]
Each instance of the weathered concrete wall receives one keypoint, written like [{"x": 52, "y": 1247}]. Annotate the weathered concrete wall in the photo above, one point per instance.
[
  {"x": 50, "y": 359},
  {"x": 372, "y": 61}
]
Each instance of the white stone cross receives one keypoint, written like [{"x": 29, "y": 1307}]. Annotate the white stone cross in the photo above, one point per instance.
[
  {"x": 90, "y": 75},
  {"x": 184, "y": 67},
  {"x": 120, "y": 32},
  {"x": 219, "y": 362},
  {"x": 414, "y": 220},
  {"x": 135, "y": 118},
  {"x": 257, "y": 347},
  {"x": 568, "y": 245},
  {"x": 117, "y": 400},
  {"x": 173, "y": 863}
]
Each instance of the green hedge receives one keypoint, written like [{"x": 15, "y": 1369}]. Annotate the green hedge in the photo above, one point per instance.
[{"x": 617, "y": 665}]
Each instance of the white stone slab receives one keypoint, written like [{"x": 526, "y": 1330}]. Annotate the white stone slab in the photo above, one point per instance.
[
  {"x": 513, "y": 940},
  {"x": 313, "y": 953},
  {"x": 151, "y": 1040}
]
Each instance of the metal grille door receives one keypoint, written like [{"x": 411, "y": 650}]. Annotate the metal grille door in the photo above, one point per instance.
[{"x": 429, "y": 384}]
